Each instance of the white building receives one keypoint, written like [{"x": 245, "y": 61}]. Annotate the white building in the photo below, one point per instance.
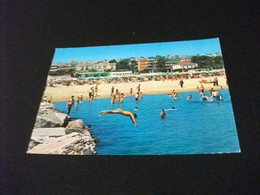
[
  {"x": 100, "y": 66},
  {"x": 121, "y": 74},
  {"x": 184, "y": 65}
]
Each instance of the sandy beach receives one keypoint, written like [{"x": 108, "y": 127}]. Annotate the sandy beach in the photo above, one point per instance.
[{"x": 62, "y": 93}]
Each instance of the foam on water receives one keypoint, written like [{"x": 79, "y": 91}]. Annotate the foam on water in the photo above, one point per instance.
[{"x": 193, "y": 127}]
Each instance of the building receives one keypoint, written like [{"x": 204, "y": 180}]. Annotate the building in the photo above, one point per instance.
[
  {"x": 121, "y": 74},
  {"x": 184, "y": 65},
  {"x": 53, "y": 69},
  {"x": 151, "y": 64},
  {"x": 171, "y": 62},
  {"x": 99, "y": 66},
  {"x": 60, "y": 69},
  {"x": 142, "y": 64}
]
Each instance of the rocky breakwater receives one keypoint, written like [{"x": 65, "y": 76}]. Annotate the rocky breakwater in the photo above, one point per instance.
[{"x": 53, "y": 133}]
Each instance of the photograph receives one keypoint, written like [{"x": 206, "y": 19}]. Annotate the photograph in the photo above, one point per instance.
[{"x": 164, "y": 98}]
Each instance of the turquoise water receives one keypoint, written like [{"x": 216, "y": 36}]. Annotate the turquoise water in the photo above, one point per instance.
[{"x": 194, "y": 127}]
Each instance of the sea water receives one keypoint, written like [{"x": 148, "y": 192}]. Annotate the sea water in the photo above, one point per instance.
[{"x": 193, "y": 127}]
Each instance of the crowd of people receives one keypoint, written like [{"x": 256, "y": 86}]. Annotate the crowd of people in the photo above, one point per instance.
[
  {"x": 136, "y": 93},
  {"x": 118, "y": 96},
  {"x": 115, "y": 80}
]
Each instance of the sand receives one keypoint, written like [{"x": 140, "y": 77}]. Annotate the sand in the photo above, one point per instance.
[{"x": 61, "y": 93}]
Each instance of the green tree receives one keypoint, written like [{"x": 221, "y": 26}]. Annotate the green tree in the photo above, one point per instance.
[
  {"x": 123, "y": 64},
  {"x": 203, "y": 61},
  {"x": 133, "y": 65},
  {"x": 112, "y": 61},
  {"x": 161, "y": 63}
]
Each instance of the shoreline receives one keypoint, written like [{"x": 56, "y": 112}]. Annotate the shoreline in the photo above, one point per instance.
[{"x": 63, "y": 93}]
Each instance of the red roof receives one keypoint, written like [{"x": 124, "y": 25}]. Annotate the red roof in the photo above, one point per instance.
[
  {"x": 65, "y": 68},
  {"x": 183, "y": 63}
]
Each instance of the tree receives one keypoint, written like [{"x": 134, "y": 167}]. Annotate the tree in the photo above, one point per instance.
[
  {"x": 133, "y": 65},
  {"x": 123, "y": 64},
  {"x": 161, "y": 62},
  {"x": 112, "y": 61},
  {"x": 203, "y": 61}
]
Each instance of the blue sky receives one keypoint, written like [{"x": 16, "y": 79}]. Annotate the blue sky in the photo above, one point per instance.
[{"x": 181, "y": 48}]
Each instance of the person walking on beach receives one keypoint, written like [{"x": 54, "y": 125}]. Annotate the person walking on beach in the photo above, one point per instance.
[
  {"x": 181, "y": 83},
  {"x": 70, "y": 104},
  {"x": 138, "y": 88},
  {"x": 215, "y": 83},
  {"x": 96, "y": 90},
  {"x": 112, "y": 90},
  {"x": 131, "y": 115},
  {"x": 90, "y": 95},
  {"x": 131, "y": 91},
  {"x": 163, "y": 114}
]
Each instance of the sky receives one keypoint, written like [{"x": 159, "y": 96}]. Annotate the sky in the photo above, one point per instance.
[{"x": 98, "y": 53}]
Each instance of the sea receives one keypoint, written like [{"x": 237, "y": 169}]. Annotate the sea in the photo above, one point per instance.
[{"x": 190, "y": 126}]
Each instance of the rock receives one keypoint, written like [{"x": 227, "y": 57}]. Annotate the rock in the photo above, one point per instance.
[
  {"x": 48, "y": 116},
  {"x": 77, "y": 126},
  {"x": 74, "y": 143},
  {"x": 50, "y": 132},
  {"x": 35, "y": 140}
]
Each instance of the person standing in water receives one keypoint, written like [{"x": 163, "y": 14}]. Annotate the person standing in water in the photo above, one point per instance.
[
  {"x": 136, "y": 97},
  {"x": 78, "y": 100},
  {"x": 113, "y": 98},
  {"x": 121, "y": 97},
  {"x": 163, "y": 114},
  {"x": 81, "y": 98}
]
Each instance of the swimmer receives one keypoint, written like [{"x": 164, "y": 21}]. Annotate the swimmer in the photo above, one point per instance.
[
  {"x": 189, "y": 97},
  {"x": 205, "y": 98},
  {"x": 136, "y": 108},
  {"x": 172, "y": 108},
  {"x": 163, "y": 114},
  {"x": 131, "y": 115}
]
